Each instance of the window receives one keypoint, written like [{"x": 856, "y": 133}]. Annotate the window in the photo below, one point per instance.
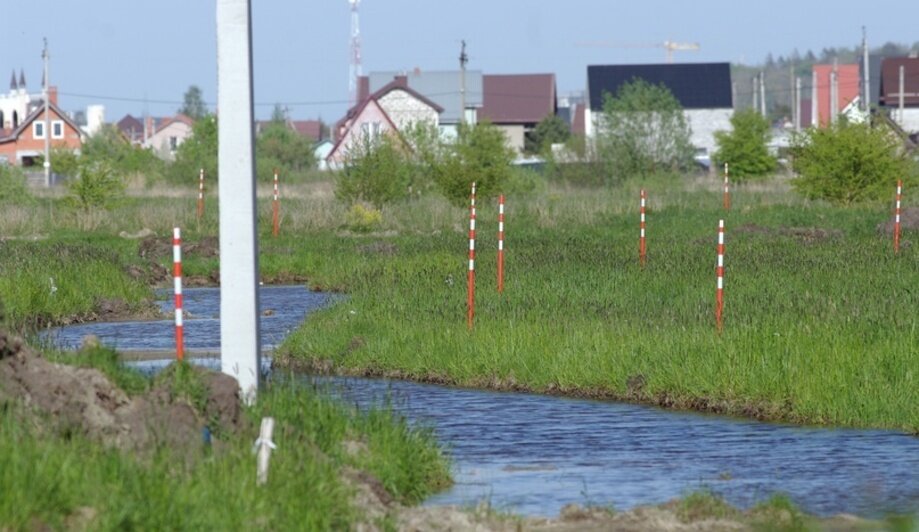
[
  {"x": 173, "y": 143},
  {"x": 57, "y": 129},
  {"x": 38, "y": 130}
]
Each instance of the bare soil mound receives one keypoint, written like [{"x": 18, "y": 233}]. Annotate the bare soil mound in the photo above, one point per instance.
[
  {"x": 155, "y": 248},
  {"x": 807, "y": 235},
  {"x": 68, "y": 400},
  {"x": 909, "y": 221}
]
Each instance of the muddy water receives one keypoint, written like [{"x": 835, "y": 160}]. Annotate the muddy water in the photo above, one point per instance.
[{"x": 532, "y": 454}]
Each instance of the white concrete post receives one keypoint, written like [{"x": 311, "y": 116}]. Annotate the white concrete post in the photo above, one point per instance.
[
  {"x": 240, "y": 347},
  {"x": 902, "y": 97},
  {"x": 264, "y": 446}
]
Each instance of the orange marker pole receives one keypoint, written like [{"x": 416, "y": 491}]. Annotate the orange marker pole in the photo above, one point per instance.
[
  {"x": 276, "y": 207},
  {"x": 727, "y": 193},
  {"x": 719, "y": 272},
  {"x": 501, "y": 243},
  {"x": 177, "y": 280},
  {"x": 470, "y": 302},
  {"x": 642, "y": 246},
  {"x": 896, "y": 218},
  {"x": 200, "y": 193}
]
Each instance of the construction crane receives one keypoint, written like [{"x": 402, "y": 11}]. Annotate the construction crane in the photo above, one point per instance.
[{"x": 668, "y": 46}]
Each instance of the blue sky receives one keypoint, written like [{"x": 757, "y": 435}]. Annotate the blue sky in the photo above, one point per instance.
[{"x": 122, "y": 52}]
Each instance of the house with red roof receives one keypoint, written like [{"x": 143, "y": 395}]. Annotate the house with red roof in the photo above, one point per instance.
[
  {"x": 166, "y": 137},
  {"x": 516, "y": 103},
  {"x": 25, "y": 144},
  {"x": 390, "y": 110},
  {"x": 824, "y": 103},
  {"x": 891, "y": 97}
]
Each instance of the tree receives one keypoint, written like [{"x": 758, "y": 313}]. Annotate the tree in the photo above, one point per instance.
[
  {"x": 478, "y": 154},
  {"x": 278, "y": 146},
  {"x": 643, "y": 131},
  {"x": 550, "y": 130},
  {"x": 108, "y": 145},
  {"x": 375, "y": 171},
  {"x": 198, "y": 151},
  {"x": 848, "y": 162},
  {"x": 745, "y": 147},
  {"x": 193, "y": 105}
]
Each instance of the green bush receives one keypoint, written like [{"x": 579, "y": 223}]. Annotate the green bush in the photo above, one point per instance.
[
  {"x": 363, "y": 218},
  {"x": 197, "y": 152},
  {"x": 376, "y": 171},
  {"x": 478, "y": 155},
  {"x": 278, "y": 146},
  {"x": 97, "y": 187},
  {"x": 110, "y": 147},
  {"x": 848, "y": 162},
  {"x": 13, "y": 185},
  {"x": 745, "y": 147}
]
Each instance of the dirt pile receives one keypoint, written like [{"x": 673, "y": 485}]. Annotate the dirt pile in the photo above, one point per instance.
[
  {"x": 68, "y": 400},
  {"x": 807, "y": 235}
]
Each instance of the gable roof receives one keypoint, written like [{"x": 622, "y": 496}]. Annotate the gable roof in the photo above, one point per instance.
[
  {"x": 13, "y": 134},
  {"x": 695, "y": 85},
  {"x": 367, "y": 101},
  {"x": 890, "y": 81},
  {"x": 398, "y": 83},
  {"x": 517, "y": 98},
  {"x": 168, "y": 121},
  {"x": 441, "y": 87}
]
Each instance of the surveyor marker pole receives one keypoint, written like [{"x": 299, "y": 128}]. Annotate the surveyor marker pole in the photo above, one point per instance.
[
  {"x": 727, "y": 193},
  {"x": 501, "y": 243},
  {"x": 470, "y": 303},
  {"x": 276, "y": 207},
  {"x": 642, "y": 246},
  {"x": 896, "y": 218},
  {"x": 177, "y": 282},
  {"x": 200, "y": 193},
  {"x": 719, "y": 272}
]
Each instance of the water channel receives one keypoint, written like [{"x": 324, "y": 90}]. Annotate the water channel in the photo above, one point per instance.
[{"x": 532, "y": 454}]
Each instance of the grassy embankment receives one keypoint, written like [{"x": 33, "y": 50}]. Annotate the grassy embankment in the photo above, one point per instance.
[
  {"x": 819, "y": 324},
  {"x": 68, "y": 481}
]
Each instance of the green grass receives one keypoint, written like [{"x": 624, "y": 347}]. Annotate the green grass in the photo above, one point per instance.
[
  {"x": 50, "y": 481},
  {"x": 816, "y": 330}
]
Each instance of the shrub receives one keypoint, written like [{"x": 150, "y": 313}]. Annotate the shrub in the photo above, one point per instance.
[
  {"x": 362, "y": 218},
  {"x": 745, "y": 147},
  {"x": 96, "y": 187},
  {"x": 376, "y": 171},
  {"x": 13, "y": 185},
  {"x": 278, "y": 146},
  {"x": 848, "y": 162},
  {"x": 197, "y": 152},
  {"x": 479, "y": 154}
]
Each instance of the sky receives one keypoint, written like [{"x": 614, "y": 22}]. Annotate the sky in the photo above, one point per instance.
[{"x": 137, "y": 55}]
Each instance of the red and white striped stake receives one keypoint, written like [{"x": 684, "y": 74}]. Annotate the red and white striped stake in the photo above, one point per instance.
[
  {"x": 896, "y": 218},
  {"x": 727, "y": 193},
  {"x": 177, "y": 279},
  {"x": 200, "y": 193},
  {"x": 470, "y": 314},
  {"x": 501, "y": 243},
  {"x": 642, "y": 246},
  {"x": 276, "y": 207},
  {"x": 719, "y": 272}
]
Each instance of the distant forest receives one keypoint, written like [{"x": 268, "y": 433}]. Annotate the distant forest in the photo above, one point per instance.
[{"x": 780, "y": 72}]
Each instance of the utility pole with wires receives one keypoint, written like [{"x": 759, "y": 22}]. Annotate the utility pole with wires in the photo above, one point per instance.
[
  {"x": 755, "y": 85},
  {"x": 762, "y": 93},
  {"x": 463, "y": 59},
  {"x": 46, "y": 93},
  {"x": 866, "y": 94}
]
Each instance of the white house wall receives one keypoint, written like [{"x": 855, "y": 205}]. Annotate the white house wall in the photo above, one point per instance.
[
  {"x": 705, "y": 122},
  {"x": 404, "y": 109},
  {"x": 910, "y": 119}
]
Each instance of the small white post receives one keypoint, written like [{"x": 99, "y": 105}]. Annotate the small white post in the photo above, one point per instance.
[{"x": 264, "y": 446}]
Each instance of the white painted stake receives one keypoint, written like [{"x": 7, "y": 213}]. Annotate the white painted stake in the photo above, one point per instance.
[{"x": 264, "y": 446}]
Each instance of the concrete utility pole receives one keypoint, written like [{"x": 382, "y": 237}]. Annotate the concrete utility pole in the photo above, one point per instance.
[
  {"x": 755, "y": 85},
  {"x": 46, "y": 94},
  {"x": 797, "y": 113},
  {"x": 902, "y": 91},
  {"x": 463, "y": 59},
  {"x": 815, "y": 119},
  {"x": 834, "y": 93},
  {"x": 240, "y": 346},
  {"x": 762, "y": 93},
  {"x": 866, "y": 73},
  {"x": 734, "y": 94}
]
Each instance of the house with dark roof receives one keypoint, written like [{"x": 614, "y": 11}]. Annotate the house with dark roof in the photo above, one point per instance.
[
  {"x": 516, "y": 103},
  {"x": 890, "y": 94},
  {"x": 166, "y": 137},
  {"x": 388, "y": 111},
  {"x": 25, "y": 144},
  {"x": 703, "y": 89},
  {"x": 132, "y": 128}
]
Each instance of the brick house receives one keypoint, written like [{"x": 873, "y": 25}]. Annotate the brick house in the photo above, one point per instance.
[
  {"x": 889, "y": 99},
  {"x": 25, "y": 144},
  {"x": 848, "y": 83}
]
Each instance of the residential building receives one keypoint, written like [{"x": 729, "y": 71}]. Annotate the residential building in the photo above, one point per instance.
[
  {"x": 321, "y": 151},
  {"x": 311, "y": 129},
  {"x": 25, "y": 144},
  {"x": 389, "y": 110},
  {"x": 168, "y": 135},
  {"x": 450, "y": 90},
  {"x": 516, "y": 103},
  {"x": 703, "y": 90},
  {"x": 17, "y": 103},
  {"x": 848, "y": 89},
  {"x": 132, "y": 128},
  {"x": 889, "y": 98}
]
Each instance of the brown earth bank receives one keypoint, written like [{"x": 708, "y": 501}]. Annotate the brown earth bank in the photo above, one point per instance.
[{"x": 62, "y": 400}]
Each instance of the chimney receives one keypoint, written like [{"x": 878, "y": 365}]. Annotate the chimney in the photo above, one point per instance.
[
  {"x": 363, "y": 88},
  {"x": 52, "y": 94},
  {"x": 402, "y": 81}
]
